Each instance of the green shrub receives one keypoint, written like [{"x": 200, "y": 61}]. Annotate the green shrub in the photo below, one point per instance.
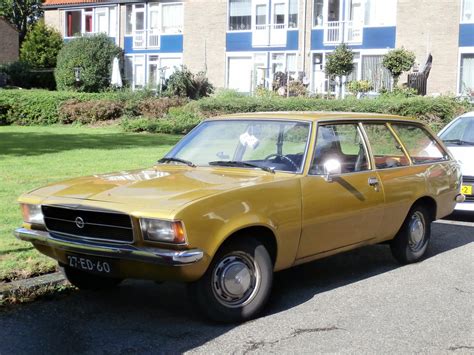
[
  {"x": 93, "y": 55},
  {"x": 18, "y": 74},
  {"x": 183, "y": 83},
  {"x": 179, "y": 120},
  {"x": 41, "y": 46},
  {"x": 92, "y": 111},
  {"x": 397, "y": 61},
  {"x": 359, "y": 86},
  {"x": 158, "y": 107}
]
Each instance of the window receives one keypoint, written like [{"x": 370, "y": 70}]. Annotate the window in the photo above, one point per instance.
[
  {"x": 341, "y": 145},
  {"x": 240, "y": 15},
  {"x": 293, "y": 14},
  {"x": 467, "y": 11},
  {"x": 153, "y": 72},
  {"x": 421, "y": 147},
  {"x": 73, "y": 23},
  {"x": 279, "y": 14},
  {"x": 461, "y": 132},
  {"x": 90, "y": 20},
  {"x": 169, "y": 66},
  {"x": 380, "y": 12},
  {"x": 466, "y": 82},
  {"x": 386, "y": 150},
  {"x": 375, "y": 72},
  {"x": 172, "y": 18},
  {"x": 261, "y": 15},
  {"x": 278, "y": 63},
  {"x": 318, "y": 13},
  {"x": 139, "y": 71},
  {"x": 128, "y": 19},
  {"x": 128, "y": 70}
]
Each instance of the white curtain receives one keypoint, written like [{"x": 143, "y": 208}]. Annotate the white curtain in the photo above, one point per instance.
[
  {"x": 172, "y": 18},
  {"x": 380, "y": 12},
  {"x": 467, "y": 72},
  {"x": 468, "y": 11},
  {"x": 240, "y": 8}
]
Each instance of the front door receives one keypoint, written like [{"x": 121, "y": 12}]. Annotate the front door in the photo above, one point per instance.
[{"x": 345, "y": 207}]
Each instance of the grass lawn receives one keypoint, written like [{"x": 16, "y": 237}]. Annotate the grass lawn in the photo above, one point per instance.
[{"x": 34, "y": 156}]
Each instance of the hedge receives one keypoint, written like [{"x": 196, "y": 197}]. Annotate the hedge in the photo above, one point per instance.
[{"x": 142, "y": 112}]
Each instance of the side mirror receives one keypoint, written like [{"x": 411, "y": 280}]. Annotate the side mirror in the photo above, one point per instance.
[{"x": 331, "y": 167}]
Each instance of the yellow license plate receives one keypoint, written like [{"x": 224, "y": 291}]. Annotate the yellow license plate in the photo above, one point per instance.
[{"x": 466, "y": 189}]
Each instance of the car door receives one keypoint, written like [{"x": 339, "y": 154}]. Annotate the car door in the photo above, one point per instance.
[{"x": 344, "y": 208}]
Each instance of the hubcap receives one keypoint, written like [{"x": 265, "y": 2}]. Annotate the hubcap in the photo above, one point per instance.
[
  {"x": 417, "y": 231},
  {"x": 235, "y": 280}
]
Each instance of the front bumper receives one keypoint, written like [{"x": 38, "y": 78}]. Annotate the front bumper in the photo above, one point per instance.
[{"x": 127, "y": 252}]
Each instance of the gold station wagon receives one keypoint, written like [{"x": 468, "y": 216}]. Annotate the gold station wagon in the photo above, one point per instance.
[{"x": 245, "y": 195}]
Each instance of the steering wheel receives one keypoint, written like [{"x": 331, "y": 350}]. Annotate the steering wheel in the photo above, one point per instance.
[{"x": 284, "y": 157}]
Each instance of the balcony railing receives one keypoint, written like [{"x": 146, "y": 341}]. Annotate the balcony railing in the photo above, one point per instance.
[
  {"x": 269, "y": 35},
  {"x": 343, "y": 31},
  {"x": 146, "y": 39}
]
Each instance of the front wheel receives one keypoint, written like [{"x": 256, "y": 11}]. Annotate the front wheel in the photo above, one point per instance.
[
  {"x": 411, "y": 242},
  {"x": 237, "y": 284},
  {"x": 85, "y": 281}
]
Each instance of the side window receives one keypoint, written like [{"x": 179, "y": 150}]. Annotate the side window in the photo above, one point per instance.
[
  {"x": 339, "y": 144},
  {"x": 385, "y": 148},
  {"x": 421, "y": 147}
]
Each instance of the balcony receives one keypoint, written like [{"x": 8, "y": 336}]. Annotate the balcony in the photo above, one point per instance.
[
  {"x": 143, "y": 39},
  {"x": 336, "y": 32},
  {"x": 269, "y": 35}
]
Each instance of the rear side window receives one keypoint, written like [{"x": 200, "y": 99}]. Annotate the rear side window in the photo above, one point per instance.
[
  {"x": 421, "y": 146},
  {"x": 386, "y": 150}
]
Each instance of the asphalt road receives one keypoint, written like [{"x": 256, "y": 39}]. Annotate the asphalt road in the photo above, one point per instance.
[{"x": 357, "y": 302}]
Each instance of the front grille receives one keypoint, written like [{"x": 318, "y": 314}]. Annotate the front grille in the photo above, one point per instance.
[{"x": 88, "y": 224}]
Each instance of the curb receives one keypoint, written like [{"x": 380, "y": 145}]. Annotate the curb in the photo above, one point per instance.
[{"x": 20, "y": 287}]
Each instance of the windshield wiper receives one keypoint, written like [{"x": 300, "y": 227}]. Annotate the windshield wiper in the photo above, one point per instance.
[
  {"x": 177, "y": 160},
  {"x": 458, "y": 142},
  {"x": 241, "y": 164}
]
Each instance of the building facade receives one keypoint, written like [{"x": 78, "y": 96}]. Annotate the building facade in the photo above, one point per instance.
[
  {"x": 241, "y": 44},
  {"x": 9, "y": 38}
]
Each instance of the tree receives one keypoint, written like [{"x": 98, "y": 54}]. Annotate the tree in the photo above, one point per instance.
[
  {"x": 91, "y": 59},
  {"x": 21, "y": 13},
  {"x": 339, "y": 64},
  {"x": 398, "y": 61},
  {"x": 41, "y": 46},
  {"x": 184, "y": 83}
]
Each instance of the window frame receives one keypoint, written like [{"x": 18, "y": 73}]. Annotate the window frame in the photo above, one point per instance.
[
  {"x": 364, "y": 140},
  {"x": 433, "y": 137},
  {"x": 461, "y": 16},
  {"x": 92, "y": 11}
]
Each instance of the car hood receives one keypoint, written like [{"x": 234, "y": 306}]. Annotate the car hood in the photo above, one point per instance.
[
  {"x": 464, "y": 154},
  {"x": 162, "y": 188}
]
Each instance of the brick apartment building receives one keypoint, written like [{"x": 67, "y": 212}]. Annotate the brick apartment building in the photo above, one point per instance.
[
  {"x": 9, "y": 39},
  {"x": 242, "y": 43}
]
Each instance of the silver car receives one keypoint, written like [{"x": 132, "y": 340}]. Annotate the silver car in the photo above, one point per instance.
[{"x": 458, "y": 136}]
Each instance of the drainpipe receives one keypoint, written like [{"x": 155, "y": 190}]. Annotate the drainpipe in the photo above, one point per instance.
[{"x": 304, "y": 36}]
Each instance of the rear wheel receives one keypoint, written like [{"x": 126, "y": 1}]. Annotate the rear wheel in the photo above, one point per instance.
[
  {"x": 237, "y": 284},
  {"x": 85, "y": 281},
  {"x": 411, "y": 242}
]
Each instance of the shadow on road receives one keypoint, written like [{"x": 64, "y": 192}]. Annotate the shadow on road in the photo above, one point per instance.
[{"x": 142, "y": 317}]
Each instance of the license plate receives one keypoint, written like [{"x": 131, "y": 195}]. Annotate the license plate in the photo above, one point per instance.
[
  {"x": 466, "y": 189},
  {"x": 91, "y": 264}
]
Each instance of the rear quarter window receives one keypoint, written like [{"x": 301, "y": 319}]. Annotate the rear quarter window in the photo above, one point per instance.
[{"x": 420, "y": 144}]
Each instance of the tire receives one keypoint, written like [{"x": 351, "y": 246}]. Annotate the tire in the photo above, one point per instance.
[
  {"x": 411, "y": 242},
  {"x": 85, "y": 281},
  {"x": 245, "y": 291}
]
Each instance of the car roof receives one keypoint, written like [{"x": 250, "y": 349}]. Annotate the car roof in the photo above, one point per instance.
[{"x": 315, "y": 116}]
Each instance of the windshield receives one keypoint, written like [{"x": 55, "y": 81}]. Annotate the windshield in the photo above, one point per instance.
[
  {"x": 265, "y": 144},
  {"x": 460, "y": 132}
]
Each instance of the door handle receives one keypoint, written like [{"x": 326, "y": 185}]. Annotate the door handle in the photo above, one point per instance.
[{"x": 373, "y": 181}]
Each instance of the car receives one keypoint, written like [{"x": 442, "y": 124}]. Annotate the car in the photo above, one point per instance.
[
  {"x": 458, "y": 136},
  {"x": 243, "y": 196}
]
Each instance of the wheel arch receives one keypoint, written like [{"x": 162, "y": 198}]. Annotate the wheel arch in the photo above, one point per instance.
[
  {"x": 429, "y": 203},
  {"x": 263, "y": 234}
]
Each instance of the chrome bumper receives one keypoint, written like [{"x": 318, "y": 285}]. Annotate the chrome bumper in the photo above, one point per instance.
[{"x": 128, "y": 252}]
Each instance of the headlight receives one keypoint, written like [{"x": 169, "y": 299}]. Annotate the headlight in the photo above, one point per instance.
[
  {"x": 163, "y": 231},
  {"x": 32, "y": 214}
]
